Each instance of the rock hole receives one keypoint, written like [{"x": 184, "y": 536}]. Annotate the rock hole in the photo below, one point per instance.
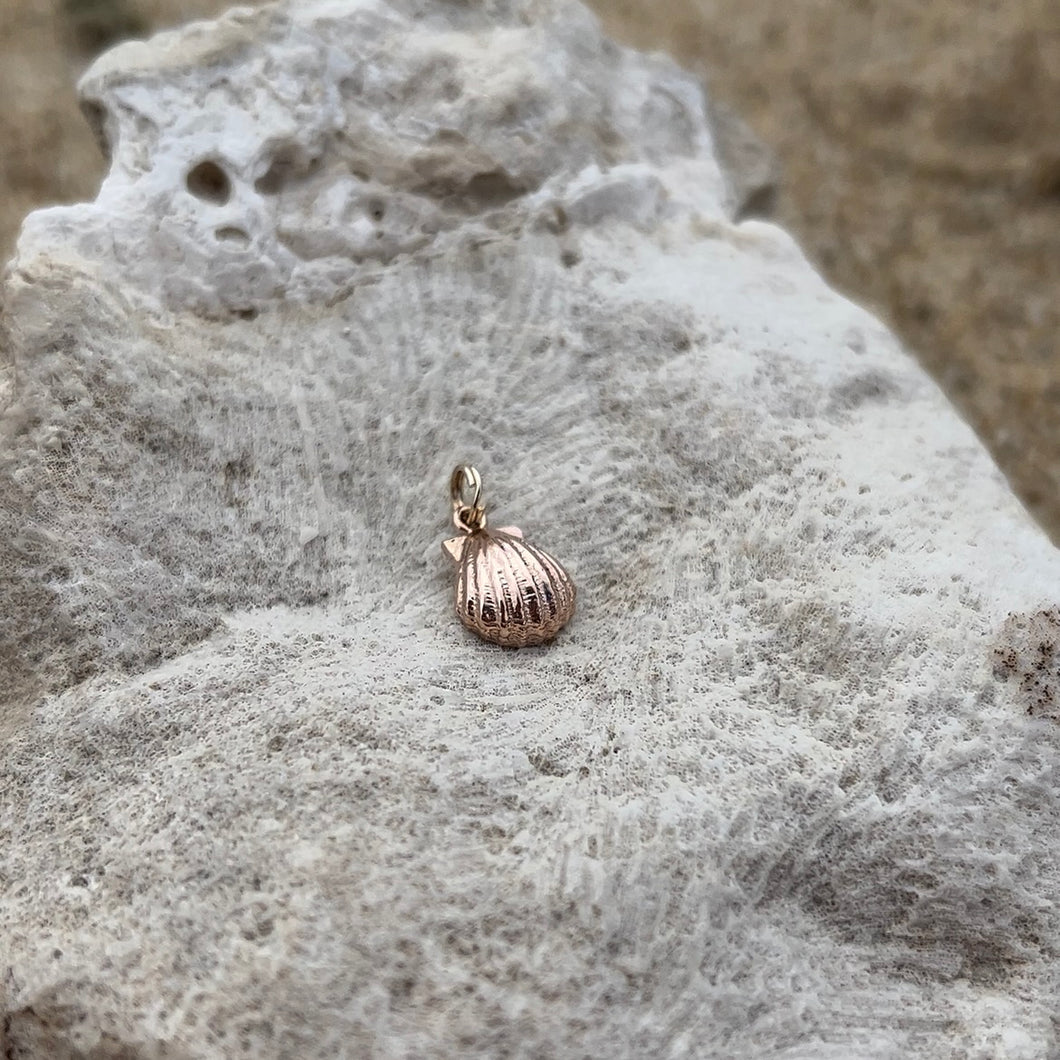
[
  {"x": 247, "y": 313},
  {"x": 288, "y": 165},
  {"x": 487, "y": 190},
  {"x": 452, "y": 137},
  {"x": 560, "y": 219},
  {"x": 231, "y": 234},
  {"x": 376, "y": 209},
  {"x": 209, "y": 182},
  {"x": 494, "y": 188},
  {"x": 271, "y": 182},
  {"x": 352, "y": 86}
]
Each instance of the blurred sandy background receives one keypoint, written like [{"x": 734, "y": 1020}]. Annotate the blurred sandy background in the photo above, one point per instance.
[{"x": 919, "y": 145}]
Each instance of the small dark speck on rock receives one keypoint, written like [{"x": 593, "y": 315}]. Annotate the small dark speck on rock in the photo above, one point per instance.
[{"x": 1029, "y": 654}]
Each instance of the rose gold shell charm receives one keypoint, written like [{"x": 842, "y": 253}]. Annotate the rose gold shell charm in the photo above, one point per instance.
[{"x": 507, "y": 591}]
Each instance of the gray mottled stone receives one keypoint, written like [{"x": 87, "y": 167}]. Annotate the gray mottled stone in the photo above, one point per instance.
[{"x": 787, "y": 785}]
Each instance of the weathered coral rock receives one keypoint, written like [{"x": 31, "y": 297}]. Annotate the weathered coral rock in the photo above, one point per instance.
[{"x": 785, "y": 787}]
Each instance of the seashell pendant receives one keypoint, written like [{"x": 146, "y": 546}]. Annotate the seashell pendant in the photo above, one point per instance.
[{"x": 507, "y": 590}]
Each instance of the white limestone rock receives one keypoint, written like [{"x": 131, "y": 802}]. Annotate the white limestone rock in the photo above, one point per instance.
[
  {"x": 786, "y": 786},
  {"x": 269, "y": 156}
]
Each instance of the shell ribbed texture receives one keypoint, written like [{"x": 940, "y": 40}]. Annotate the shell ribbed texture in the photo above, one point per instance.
[{"x": 510, "y": 592}]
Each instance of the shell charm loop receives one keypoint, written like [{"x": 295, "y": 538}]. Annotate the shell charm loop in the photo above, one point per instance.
[{"x": 507, "y": 590}]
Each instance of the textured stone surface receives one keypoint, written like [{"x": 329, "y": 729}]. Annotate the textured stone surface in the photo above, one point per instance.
[
  {"x": 785, "y": 787},
  {"x": 918, "y": 148},
  {"x": 921, "y": 171}
]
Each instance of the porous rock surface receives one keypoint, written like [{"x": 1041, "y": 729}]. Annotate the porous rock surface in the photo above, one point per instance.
[{"x": 785, "y": 787}]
